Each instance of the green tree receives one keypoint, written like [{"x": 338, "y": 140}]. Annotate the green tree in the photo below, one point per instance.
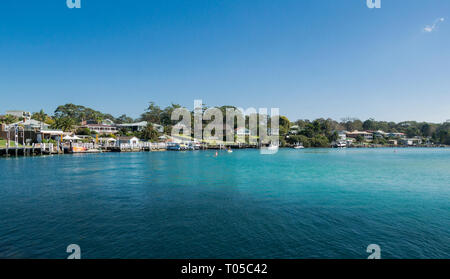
[
  {"x": 369, "y": 124},
  {"x": 359, "y": 138},
  {"x": 9, "y": 119},
  {"x": 40, "y": 116},
  {"x": 149, "y": 133},
  {"x": 333, "y": 137},
  {"x": 428, "y": 130},
  {"x": 285, "y": 125},
  {"x": 320, "y": 141},
  {"x": 124, "y": 119},
  {"x": 64, "y": 123},
  {"x": 153, "y": 114},
  {"x": 80, "y": 113},
  {"x": 84, "y": 131}
]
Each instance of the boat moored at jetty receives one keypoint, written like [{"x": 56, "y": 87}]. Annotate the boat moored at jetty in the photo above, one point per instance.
[{"x": 174, "y": 146}]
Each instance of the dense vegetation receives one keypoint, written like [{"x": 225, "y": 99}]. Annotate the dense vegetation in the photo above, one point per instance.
[{"x": 316, "y": 133}]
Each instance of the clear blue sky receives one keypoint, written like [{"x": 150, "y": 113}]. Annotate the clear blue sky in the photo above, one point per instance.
[{"x": 310, "y": 58}]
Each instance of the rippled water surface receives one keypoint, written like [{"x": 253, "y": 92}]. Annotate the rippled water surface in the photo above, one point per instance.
[{"x": 295, "y": 204}]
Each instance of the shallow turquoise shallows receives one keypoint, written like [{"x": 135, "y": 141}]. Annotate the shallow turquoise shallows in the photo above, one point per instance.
[{"x": 295, "y": 204}]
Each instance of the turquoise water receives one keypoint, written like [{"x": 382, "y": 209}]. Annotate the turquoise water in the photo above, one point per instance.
[{"x": 295, "y": 204}]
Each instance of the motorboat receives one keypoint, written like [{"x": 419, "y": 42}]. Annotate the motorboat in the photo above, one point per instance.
[
  {"x": 271, "y": 149},
  {"x": 173, "y": 146},
  {"x": 299, "y": 146}
]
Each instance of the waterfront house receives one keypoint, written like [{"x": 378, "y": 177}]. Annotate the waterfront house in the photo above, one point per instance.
[
  {"x": 133, "y": 127},
  {"x": 140, "y": 126},
  {"x": 411, "y": 141},
  {"x": 19, "y": 114},
  {"x": 396, "y": 135},
  {"x": 29, "y": 131},
  {"x": 30, "y": 125},
  {"x": 368, "y": 136},
  {"x": 107, "y": 142},
  {"x": 379, "y": 134},
  {"x": 101, "y": 128},
  {"x": 294, "y": 130},
  {"x": 133, "y": 141},
  {"x": 342, "y": 135},
  {"x": 393, "y": 142},
  {"x": 349, "y": 141},
  {"x": 49, "y": 134}
]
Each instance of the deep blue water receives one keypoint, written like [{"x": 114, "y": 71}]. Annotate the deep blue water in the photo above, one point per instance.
[{"x": 295, "y": 204}]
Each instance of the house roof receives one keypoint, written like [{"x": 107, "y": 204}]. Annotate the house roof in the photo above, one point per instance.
[
  {"x": 358, "y": 133},
  {"x": 28, "y": 122},
  {"x": 138, "y": 124},
  {"x": 107, "y": 121},
  {"x": 98, "y": 125},
  {"x": 126, "y": 138},
  {"x": 52, "y": 132}
]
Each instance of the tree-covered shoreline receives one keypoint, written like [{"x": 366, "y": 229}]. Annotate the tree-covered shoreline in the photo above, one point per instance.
[{"x": 311, "y": 133}]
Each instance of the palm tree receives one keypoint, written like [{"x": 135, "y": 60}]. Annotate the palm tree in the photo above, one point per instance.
[
  {"x": 68, "y": 124},
  {"x": 64, "y": 123}
]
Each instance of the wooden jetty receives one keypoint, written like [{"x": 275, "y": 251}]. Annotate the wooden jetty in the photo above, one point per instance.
[{"x": 33, "y": 150}]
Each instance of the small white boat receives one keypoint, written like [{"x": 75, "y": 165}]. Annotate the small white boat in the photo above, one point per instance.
[
  {"x": 340, "y": 144},
  {"x": 229, "y": 151},
  {"x": 298, "y": 146},
  {"x": 272, "y": 147}
]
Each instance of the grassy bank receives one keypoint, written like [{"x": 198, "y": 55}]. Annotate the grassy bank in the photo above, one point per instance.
[{"x": 3, "y": 143}]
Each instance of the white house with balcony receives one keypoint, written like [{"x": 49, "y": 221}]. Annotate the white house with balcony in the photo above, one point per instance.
[
  {"x": 101, "y": 128},
  {"x": 364, "y": 134},
  {"x": 140, "y": 126}
]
